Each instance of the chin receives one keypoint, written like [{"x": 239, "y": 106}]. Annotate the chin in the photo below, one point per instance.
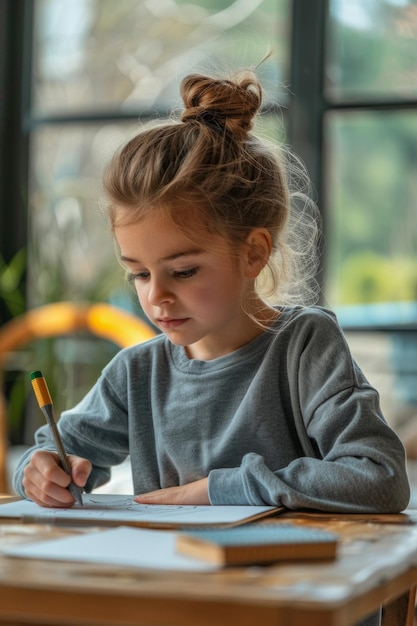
[{"x": 175, "y": 339}]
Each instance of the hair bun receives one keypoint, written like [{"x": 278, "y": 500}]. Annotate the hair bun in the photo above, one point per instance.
[{"x": 231, "y": 104}]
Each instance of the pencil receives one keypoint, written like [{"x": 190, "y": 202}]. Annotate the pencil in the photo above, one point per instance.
[{"x": 45, "y": 404}]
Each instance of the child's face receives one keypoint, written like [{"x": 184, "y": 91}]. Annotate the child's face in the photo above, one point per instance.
[{"x": 190, "y": 291}]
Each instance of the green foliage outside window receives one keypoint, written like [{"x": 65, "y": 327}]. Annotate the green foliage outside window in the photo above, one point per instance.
[{"x": 372, "y": 153}]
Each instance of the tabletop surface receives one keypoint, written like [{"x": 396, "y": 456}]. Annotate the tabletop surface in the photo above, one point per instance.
[
  {"x": 373, "y": 550},
  {"x": 369, "y": 551}
]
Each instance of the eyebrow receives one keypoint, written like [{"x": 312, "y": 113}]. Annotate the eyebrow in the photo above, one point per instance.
[{"x": 170, "y": 257}]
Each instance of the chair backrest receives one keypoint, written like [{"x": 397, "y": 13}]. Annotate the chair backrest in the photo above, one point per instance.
[{"x": 52, "y": 320}]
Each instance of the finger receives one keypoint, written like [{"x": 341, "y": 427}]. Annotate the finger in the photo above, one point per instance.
[
  {"x": 47, "y": 494},
  {"x": 81, "y": 469},
  {"x": 46, "y": 466},
  {"x": 45, "y": 482}
]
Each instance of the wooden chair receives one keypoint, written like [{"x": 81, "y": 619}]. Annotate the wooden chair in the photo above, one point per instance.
[{"x": 63, "y": 318}]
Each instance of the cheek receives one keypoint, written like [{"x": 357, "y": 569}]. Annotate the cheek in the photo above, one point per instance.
[
  {"x": 141, "y": 293},
  {"x": 216, "y": 294}
]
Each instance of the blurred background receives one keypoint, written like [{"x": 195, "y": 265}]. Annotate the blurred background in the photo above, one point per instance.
[{"x": 77, "y": 78}]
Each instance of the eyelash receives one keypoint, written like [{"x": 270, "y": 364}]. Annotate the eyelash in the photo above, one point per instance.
[
  {"x": 192, "y": 271},
  {"x": 140, "y": 276},
  {"x": 181, "y": 275}
]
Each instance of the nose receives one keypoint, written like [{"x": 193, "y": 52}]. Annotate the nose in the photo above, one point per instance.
[{"x": 159, "y": 292}]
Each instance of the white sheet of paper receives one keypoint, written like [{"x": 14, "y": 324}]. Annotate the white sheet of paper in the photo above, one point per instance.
[
  {"x": 123, "y": 546},
  {"x": 123, "y": 509}
]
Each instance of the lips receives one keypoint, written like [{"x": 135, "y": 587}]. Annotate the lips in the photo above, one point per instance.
[{"x": 172, "y": 322}]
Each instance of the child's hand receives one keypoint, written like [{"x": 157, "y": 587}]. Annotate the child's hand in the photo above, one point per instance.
[
  {"x": 193, "y": 493},
  {"x": 45, "y": 482}
]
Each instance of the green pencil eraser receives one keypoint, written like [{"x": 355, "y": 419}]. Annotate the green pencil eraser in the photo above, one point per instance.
[{"x": 36, "y": 374}]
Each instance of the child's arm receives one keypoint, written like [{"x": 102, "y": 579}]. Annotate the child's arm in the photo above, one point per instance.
[
  {"x": 95, "y": 430},
  {"x": 351, "y": 460},
  {"x": 45, "y": 482}
]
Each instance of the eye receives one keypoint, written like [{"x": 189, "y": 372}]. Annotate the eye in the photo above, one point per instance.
[
  {"x": 132, "y": 277},
  {"x": 192, "y": 271}
]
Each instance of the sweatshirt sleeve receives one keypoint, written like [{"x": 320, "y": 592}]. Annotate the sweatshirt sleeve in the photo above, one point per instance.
[
  {"x": 96, "y": 429},
  {"x": 353, "y": 461}
]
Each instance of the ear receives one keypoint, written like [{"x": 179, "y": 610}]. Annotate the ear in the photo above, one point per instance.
[{"x": 257, "y": 252}]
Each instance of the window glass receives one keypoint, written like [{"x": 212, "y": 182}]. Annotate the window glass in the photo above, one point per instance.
[
  {"x": 71, "y": 251},
  {"x": 371, "y": 241},
  {"x": 92, "y": 55},
  {"x": 372, "y": 49}
]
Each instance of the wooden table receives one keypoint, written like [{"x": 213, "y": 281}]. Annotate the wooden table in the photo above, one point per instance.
[{"x": 376, "y": 565}]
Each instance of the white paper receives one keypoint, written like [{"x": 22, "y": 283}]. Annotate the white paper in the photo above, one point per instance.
[
  {"x": 123, "y": 509},
  {"x": 127, "y": 547}
]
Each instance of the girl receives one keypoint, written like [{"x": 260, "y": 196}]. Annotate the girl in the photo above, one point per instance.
[{"x": 237, "y": 401}]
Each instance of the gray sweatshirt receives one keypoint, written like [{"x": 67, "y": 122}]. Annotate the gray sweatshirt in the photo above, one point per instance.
[{"x": 288, "y": 419}]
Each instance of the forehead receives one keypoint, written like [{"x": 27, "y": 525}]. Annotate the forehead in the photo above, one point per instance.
[
  {"x": 156, "y": 235},
  {"x": 186, "y": 217}
]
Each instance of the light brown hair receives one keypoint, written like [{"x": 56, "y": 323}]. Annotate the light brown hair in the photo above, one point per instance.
[{"x": 209, "y": 160}]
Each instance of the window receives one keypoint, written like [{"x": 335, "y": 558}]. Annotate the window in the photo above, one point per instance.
[{"x": 370, "y": 132}]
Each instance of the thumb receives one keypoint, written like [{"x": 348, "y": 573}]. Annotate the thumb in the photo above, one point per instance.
[{"x": 81, "y": 469}]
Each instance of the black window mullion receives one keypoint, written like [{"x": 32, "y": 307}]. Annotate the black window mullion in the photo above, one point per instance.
[
  {"x": 13, "y": 141},
  {"x": 307, "y": 104}
]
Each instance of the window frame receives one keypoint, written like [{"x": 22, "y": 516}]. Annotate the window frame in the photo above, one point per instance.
[
  {"x": 305, "y": 115},
  {"x": 14, "y": 139},
  {"x": 308, "y": 108}
]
